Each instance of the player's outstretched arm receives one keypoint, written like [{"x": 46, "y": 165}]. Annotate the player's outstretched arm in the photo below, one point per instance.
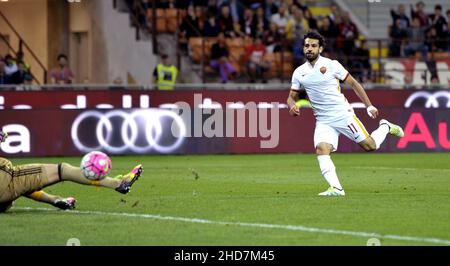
[
  {"x": 359, "y": 90},
  {"x": 294, "y": 110}
]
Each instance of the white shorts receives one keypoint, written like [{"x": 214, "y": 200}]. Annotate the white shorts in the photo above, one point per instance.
[{"x": 351, "y": 127}]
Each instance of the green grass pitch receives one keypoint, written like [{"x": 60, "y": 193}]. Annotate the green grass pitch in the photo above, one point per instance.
[{"x": 233, "y": 200}]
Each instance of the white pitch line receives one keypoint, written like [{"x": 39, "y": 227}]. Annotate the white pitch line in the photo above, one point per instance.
[
  {"x": 399, "y": 168},
  {"x": 257, "y": 225}
]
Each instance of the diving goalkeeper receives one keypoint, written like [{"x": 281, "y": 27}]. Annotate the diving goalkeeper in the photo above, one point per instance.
[{"x": 28, "y": 180}]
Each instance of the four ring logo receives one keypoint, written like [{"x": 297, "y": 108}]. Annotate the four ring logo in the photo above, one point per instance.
[
  {"x": 431, "y": 100},
  {"x": 138, "y": 131}
]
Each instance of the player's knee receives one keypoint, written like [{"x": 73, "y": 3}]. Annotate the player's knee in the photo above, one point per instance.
[{"x": 323, "y": 149}]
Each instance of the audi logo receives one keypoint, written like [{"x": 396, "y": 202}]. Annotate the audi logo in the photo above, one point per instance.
[
  {"x": 431, "y": 99},
  {"x": 139, "y": 131}
]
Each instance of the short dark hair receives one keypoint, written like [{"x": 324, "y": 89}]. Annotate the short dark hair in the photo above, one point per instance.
[
  {"x": 164, "y": 56},
  {"x": 62, "y": 56},
  {"x": 438, "y": 7},
  {"x": 312, "y": 34}
]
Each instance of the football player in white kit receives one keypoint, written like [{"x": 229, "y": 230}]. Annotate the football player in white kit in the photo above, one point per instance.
[{"x": 320, "y": 77}]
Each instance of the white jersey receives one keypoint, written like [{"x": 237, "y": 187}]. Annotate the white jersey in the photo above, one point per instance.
[{"x": 321, "y": 83}]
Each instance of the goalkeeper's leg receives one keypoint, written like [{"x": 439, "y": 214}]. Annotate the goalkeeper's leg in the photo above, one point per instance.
[
  {"x": 68, "y": 172},
  {"x": 57, "y": 201},
  {"x": 121, "y": 183},
  {"x": 34, "y": 177}
]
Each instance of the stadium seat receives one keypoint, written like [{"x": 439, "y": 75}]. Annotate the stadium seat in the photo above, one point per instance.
[
  {"x": 237, "y": 54},
  {"x": 284, "y": 64},
  {"x": 273, "y": 72},
  {"x": 235, "y": 42},
  {"x": 320, "y": 11},
  {"x": 373, "y": 52},
  {"x": 161, "y": 24},
  {"x": 172, "y": 20}
]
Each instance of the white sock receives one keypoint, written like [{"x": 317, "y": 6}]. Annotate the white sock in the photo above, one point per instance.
[
  {"x": 379, "y": 135},
  {"x": 329, "y": 171}
]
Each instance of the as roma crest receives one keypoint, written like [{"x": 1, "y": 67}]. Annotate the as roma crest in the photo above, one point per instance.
[{"x": 323, "y": 70}]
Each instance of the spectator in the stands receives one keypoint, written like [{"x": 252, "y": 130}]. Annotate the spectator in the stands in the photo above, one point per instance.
[
  {"x": 289, "y": 4},
  {"x": 270, "y": 8},
  {"x": 398, "y": 37},
  {"x": 433, "y": 41},
  {"x": 62, "y": 74},
  {"x": 330, "y": 32},
  {"x": 222, "y": 2},
  {"x": 420, "y": 14},
  {"x": 236, "y": 10},
  {"x": 160, "y": 3},
  {"x": 361, "y": 64},
  {"x": 272, "y": 38},
  {"x": 335, "y": 15},
  {"x": 180, "y": 4},
  {"x": 400, "y": 15},
  {"x": 296, "y": 28},
  {"x": 4, "y": 79},
  {"x": 448, "y": 31},
  {"x": 201, "y": 18},
  {"x": 20, "y": 57},
  {"x": 416, "y": 38},
  {"x": 173, "y": 4},
  {"x": 256, "y": 64},
  {"x": 260, "y": 23},
  {"x": 165, "y": 74},
  {"x": 220, "y": 59},
  {"x": 21, "y": 74},
  {"x": 247, "y": 22},
  {"x": 211, "y": 28},
  {"x": 212, "y": 8},
  {"x": 312, "y": 21},
  {"x": 189, "y": 27},
  {"x": 348, "y": 33},
  {"x": 10, "y": 66},
  {"x": 203, "y": 3},
  {"x": 237, "y": 31},
  {"x": 301, "y": 4},
  {"x": 225, "y": 21},
  {"x": 439, "y": 23},
  {"x": 281, "y": 18}
]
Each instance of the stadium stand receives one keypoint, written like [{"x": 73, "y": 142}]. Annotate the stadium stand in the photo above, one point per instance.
[{"x": 189, "y": 23}]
